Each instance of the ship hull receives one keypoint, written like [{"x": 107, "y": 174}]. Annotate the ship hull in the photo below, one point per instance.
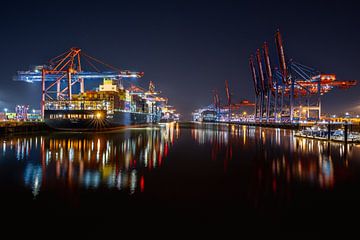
[{"x": 106, "y": 122}]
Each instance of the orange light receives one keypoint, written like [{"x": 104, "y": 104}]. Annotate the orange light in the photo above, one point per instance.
[{"x": 331, "y": 77}]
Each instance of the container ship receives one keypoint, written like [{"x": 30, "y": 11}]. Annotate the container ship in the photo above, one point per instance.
[{"x": 109, "y": 107}]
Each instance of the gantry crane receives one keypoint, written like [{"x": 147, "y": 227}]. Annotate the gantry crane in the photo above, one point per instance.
[
  {"x": 295, "y": 81},
  {"x": 228, "y": 96},
  {"x": 64, "y": 71},
  {"x": 216, "y": 101}
]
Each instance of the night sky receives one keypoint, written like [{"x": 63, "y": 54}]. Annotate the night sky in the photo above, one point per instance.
[{"x": 188, "y": 48}]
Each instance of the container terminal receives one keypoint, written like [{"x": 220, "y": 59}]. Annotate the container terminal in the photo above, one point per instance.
[
  {"x": 66, "y": 104},
  {"x": 286, "y": 95}
]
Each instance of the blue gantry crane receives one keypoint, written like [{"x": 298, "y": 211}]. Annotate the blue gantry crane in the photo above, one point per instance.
[{"x": 64, "y": 71}]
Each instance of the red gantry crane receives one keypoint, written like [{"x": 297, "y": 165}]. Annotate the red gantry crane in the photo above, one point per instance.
[{"x": 292, "y": 84}]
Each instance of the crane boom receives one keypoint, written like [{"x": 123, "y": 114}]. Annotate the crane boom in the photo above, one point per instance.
[
  {"x": 36, "y": 76},
  {"x": 281, "y": 55},
  {"x": 253, "y": 74},
  {"x": 261, "y": 72},
  {"x": 228, "y": 94},
  {"x": 268, "y": 65}
]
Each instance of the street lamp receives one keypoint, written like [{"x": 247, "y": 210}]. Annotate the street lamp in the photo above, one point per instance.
[
  {"x": 5, "y": 110},
  {"x": 33, "y": 110}
]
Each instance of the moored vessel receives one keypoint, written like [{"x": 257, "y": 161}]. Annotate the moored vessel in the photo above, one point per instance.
[{"x": 109, "y": 107}]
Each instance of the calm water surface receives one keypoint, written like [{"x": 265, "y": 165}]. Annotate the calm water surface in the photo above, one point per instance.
[{"x": 185, "y": 175}]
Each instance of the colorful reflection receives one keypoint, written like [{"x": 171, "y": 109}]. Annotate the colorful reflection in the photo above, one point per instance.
[
  {"x": 117, "y": 160},
  {"x": 278, "y": 158}
]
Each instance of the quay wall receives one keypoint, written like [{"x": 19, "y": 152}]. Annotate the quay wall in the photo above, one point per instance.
[
  {"x": 22, "y": 127},
  {"x": 354, "y": 127}
]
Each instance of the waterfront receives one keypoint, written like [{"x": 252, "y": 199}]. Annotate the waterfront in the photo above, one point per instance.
[{"x": 185, "y": 174}]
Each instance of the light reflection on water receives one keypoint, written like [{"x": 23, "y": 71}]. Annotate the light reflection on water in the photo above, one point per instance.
[
  {"x": 114, "y": 160},
  {"x": 282, "y": 156},
  {"x": 119, "y": 160},
  {"x": 205, "y": 173}
]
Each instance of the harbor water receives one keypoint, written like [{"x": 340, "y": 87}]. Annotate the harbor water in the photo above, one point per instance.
[{"x": 179, "y": 175}]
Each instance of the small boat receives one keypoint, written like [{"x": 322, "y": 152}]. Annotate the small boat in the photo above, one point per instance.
[
  {"x": 339, "y": 135},
  {"x": 314, "y": 131},
  {"x": 322, "y": 133}
]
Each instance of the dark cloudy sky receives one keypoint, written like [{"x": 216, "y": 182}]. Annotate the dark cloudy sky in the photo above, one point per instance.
[{"x": 188, "y": 48}]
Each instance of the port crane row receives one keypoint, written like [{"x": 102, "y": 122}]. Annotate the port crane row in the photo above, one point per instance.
[
  {"x": 284, "y": 93},
  {"x": 68, "y": 68},
  {"x": 288, "y": 92}
]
